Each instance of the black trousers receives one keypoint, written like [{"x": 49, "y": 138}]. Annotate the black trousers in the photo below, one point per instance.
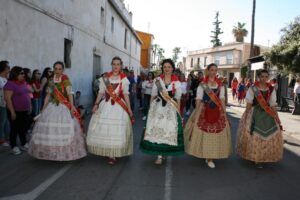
[{"x": 19, "y": 127}]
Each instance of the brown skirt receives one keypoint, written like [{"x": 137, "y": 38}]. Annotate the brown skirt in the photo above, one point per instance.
[
  {"x": 201, "y": 144},
  {"x": 255, "y": 148}
]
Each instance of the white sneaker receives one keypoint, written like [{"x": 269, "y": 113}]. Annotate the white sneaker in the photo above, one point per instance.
[
  {"x": 144, "y": 118},
  {"x": 25, "y": 147},
  {"x": 210, "y": 164},
  {"x": 16, "y": 151},
  {"x": 5, "y": 144}
]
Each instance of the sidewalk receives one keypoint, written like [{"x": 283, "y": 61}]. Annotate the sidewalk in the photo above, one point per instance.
[{"x": 290, "y": 123}]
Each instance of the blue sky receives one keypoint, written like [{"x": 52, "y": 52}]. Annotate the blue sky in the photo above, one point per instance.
[{"x": 187, "y": 23}]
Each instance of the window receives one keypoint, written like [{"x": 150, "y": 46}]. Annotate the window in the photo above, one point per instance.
[
  {"x": 192, "y": 60},
  {"x": 112, "y": 24},
  {"x": 229, "y": 58},
  {"x": 67, "y": 53},
  {"x": 125, "y": 39},
  {"x": 217, "y": 59},
  {"x": 205, "y": 60},
  {"x": 136, "y": 44},
  {"x": 198, "y": 62},
  {"x": 102, "y": 15}
]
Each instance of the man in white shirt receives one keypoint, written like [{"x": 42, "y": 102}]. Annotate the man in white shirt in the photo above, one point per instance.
[
  {"x": 297, "y": 97},
  {"x": 4, "y": 71},
  {"x": 297, "y": 87}
]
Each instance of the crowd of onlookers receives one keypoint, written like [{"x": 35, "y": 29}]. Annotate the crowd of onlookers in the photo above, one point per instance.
[
  {"x": 22, "y": 94},
  {"x": 239, "y": 89}
]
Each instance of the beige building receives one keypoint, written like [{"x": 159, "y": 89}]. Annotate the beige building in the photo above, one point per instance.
[{"x": 229, "y": 57}]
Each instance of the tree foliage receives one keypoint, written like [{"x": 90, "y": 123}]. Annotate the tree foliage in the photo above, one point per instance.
[
  {"x": 216, "y": 32},
  {"x": 240, "y": 32},
  {"x": 176, "y": 52},
  {"x": 286, "y": 54}
]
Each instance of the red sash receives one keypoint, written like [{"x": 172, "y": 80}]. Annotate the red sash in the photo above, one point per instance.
[
  {"x": 115, "y": 97},
  {"x": 264, "y": 104},
  {"x": 63, "y": 100}
]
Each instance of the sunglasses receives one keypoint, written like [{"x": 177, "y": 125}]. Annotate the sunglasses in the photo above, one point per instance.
[
  {"x": 58, "y": 69},
  {"x": 38, "y": 73},
  {"x": 21, "y": 73}
]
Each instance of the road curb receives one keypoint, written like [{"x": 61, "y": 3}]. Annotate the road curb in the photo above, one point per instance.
[{"x": 290, "y": 134}]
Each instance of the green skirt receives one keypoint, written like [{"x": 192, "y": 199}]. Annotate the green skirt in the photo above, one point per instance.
[{"x": 165, "y": 149}]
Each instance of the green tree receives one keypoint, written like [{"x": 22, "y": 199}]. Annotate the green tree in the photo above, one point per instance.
[
  {"x": 216, "y": 32},
  {"x": 176, "y": 52},
  {"x": 286, "y": 54},
  {"x": 240, "y": 32},
  {"x": 155, "y": 48}
]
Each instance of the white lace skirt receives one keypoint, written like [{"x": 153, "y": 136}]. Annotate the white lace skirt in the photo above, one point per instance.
[
  {"x": 162, "y": 124},
  {"x": 57, "y": 136},
  {"x": 110, "y": 131}
]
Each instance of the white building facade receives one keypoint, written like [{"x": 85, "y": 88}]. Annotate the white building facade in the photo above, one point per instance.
[{"x": 83, "y": 34}]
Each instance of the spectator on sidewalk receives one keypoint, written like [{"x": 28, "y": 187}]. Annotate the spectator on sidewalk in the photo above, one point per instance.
[
  {"x": 36, "y": 86},
  {"x": 46, "y": 77},
  {"x": 132, "y": 88},
  {"x": 78, "y": 105},
  {"x": 297, "y": 90},
  {"x": 27, "y": 77},
  {"x": 225, "y": 84},
  {"x": 234, "y": 86},
  {"x": 138, "y": 90},
  {"x": 241, "y": 91},
  {"x": 274, "y": 83},
  {"x": 96, "y": 85},
  {"x": 296, "y": 110},
  {"x": 18, "y": 102},
  {"x": 4, "y": 71},
  {"x": 147, "y": 86},
  {"x": 183, "y": 99}
]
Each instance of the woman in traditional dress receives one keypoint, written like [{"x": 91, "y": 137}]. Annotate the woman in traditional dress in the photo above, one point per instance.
[
  {"x": 259, "y": 134},
  {"x": 163, "y": 135},
  {"x": 57, "y": 134},
  {"x": 241, "y": 91},
  {"x": 234, "y": 86},
  {"x": 207, "y": 133},
  {"x": 110, "y": 129}
]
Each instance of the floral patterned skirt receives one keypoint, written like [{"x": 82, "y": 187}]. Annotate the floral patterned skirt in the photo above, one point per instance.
[
  {"x": 256, "y": 144},
  {"x": 164, "y": 133}
]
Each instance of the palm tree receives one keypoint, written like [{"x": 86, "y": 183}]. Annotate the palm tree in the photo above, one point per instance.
[
  {"x": 176, "y": 52},
  {"x": 160, "y": 54},
  {"x": 240, "y": 32}
]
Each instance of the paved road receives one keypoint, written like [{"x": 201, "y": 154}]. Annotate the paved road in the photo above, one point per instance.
[{"x": 137, "y": 178}]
